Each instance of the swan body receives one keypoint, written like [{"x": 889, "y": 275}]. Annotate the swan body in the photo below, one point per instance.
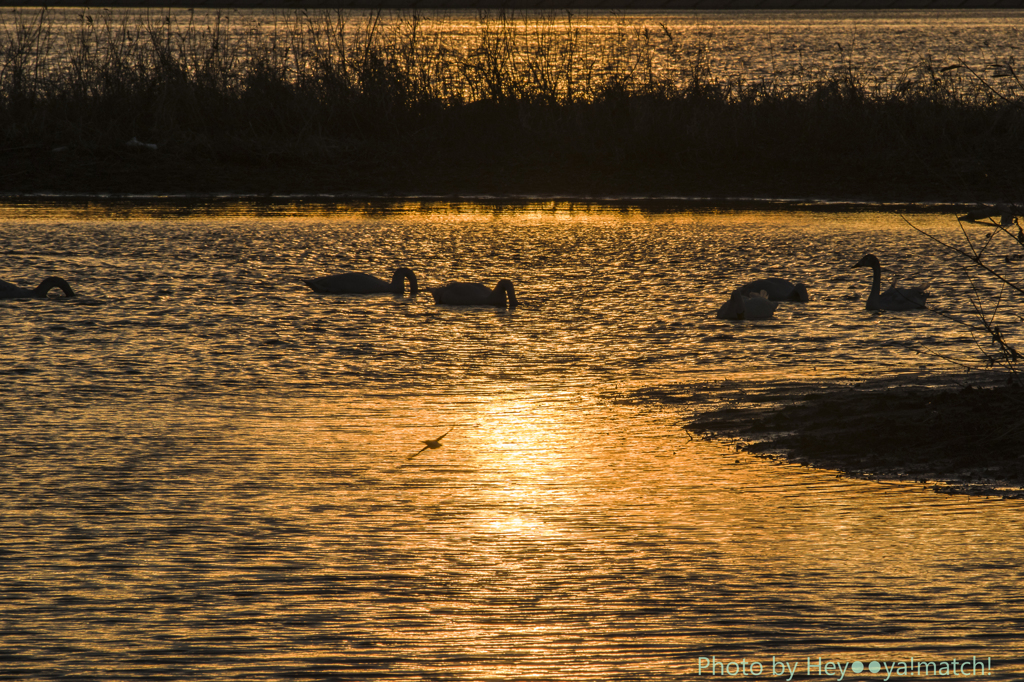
[
  {"x": 778, "y": 289},
  {"x": 893, "y": 298},
  {"x": 474, "y": 293},
  {"x": 757, "y": 306},
  {"x": 8, "y": 290},
  {"x": 360, "y": 283}
]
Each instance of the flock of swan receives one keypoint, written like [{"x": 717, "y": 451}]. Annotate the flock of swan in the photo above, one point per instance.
[
  {"x": 755, "y": 300},
  {"x": 759, "y": 299},
  {"x": 454, "y": 293}
]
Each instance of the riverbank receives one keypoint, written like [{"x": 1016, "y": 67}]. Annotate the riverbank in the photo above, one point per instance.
[
  {"x": 509, "y": 161},
  {"x": 956, "y": 436},
  {"x": 315, "y": 105}
]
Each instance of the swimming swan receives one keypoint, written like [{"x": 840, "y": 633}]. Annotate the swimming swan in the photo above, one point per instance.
[
  {"x": 8, "y": 290},
  {"x": 778, "y": 289},
  {"x": 474, "y": 293},
  {"x": 893, "y": 298},
  {"x": 359, "y": 283},
  {"x": 753, "y": 307}
]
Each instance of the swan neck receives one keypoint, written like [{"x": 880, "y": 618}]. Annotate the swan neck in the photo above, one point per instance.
[
  {"x": 49, "y": 283},
  {"x": 507, "y": 291},
  {"x": 401, "y": 274}
]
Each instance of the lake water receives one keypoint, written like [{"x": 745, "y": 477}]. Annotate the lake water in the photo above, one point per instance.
[
  {"x": 205, "y": 470},
  {"x": 880, "y": 48}
]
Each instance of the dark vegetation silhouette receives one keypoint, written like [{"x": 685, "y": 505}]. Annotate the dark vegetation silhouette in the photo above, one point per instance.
[
  {"x": 990, "y": 256},
  {"x": 329, "y": 101}
]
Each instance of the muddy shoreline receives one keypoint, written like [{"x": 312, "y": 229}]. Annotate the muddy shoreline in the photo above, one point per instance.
[{"x": 955, "y": 435}]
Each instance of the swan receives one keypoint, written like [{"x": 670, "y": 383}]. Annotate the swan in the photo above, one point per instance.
[
  {"x": 778, "y": 289},
  {"x": 757, "y": 306},
  {"x": 893, "y": 298},
  {"x": 8, "y": 290},
  {"x": 360, "y": 283},
  {"x": 474, "y": 293}
]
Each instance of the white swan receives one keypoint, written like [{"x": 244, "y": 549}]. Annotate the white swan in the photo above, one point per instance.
[
  {"x": 474, "y": 293},
  {"x": 893, "y": 298},
  {"x": 753, "y": 307},
  {"x": 8, "y": 290},
  {"x": 360, "y": 283},
  {"x": 778, "y": 289}
]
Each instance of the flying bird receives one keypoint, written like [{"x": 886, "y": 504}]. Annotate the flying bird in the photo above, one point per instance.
[{"x": 431, "y": 444}]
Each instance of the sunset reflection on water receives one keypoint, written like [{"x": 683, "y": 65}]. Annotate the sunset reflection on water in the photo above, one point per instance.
[{"x": 209, "y": 469}]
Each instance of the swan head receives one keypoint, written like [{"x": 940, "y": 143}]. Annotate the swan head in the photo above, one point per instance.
[
  {"x": 800, "y": 293},
  {"x": 54, "y": 282},
  {"x": 869, "y": 261}
]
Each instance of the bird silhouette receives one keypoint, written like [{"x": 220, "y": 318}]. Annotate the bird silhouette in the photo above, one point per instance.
[
  {"x": 361, "y": 283},
  {"x": 8, "y": 290},
  {"x": 431, "y": 444},
  {"x": 473, "y": 293},
  {"x": 893, "y": 298}
]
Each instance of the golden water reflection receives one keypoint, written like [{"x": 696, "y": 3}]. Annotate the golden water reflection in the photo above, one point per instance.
[{"x": 214, "y": 465}]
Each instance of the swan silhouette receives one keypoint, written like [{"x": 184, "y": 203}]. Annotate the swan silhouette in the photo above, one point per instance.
[
  {"x": 753, "y": 307},
  {"x": 8, "y": 290},
  {"x": 474, "y": 293},
  {"x": 778, "y": 289},
  {"x": 893, "y": 298},
  {"x": 360, "y": 283}
]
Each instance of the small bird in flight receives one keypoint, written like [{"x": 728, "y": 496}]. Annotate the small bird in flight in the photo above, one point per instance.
[{"x": 431, "y": 444}]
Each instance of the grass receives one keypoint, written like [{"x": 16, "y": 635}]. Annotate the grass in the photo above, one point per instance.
[{"x": 327, "y": 102}]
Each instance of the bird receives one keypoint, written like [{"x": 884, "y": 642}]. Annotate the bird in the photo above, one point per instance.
[
  {"x": 361, "y": 283},
  {"x": 474, "y": 293},
  {"x": 778, "y": 289},
  {"x": 894, "y": 298},
  {"x": 431, "y": 444},
  {"x": 8, "y": 290},
  {"x": 753, "y": 307}
]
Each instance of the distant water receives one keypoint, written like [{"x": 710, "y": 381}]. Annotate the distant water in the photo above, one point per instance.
[
  {"x": 205, "y": 474},
  {"x": 881, "y": 48}
]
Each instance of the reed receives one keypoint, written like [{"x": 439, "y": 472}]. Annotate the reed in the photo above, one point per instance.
[{"x": 521, "y": 103}]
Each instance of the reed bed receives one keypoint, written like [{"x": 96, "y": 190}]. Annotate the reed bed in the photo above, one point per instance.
[{"x": 522, "y": 103}]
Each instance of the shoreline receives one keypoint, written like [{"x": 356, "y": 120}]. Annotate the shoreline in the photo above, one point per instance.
[
  {"x": 955, "y": 434},
  {"x": 837, "y": 204},
  {"x": 52, "y": 175}
]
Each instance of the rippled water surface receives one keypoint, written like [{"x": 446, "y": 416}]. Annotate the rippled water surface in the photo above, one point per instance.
[
  {"x": 205, "y": 473},
  {"x": 878, "y": 47}
]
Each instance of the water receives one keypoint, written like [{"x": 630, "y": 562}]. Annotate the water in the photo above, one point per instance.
[
  {"x": 881, "y": 48},
  {"x": 205, "y": 473}
]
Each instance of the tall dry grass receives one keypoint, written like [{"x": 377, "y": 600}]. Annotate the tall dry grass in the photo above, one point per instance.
[{"x": 522, "y": 100}]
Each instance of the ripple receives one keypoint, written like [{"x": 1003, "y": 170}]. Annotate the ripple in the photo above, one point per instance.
[{"x": 217, "y": 482}]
